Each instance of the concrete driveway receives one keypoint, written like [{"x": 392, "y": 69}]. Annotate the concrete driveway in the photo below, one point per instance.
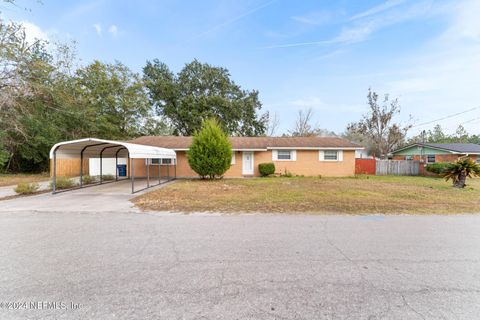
[
  {"x": 109, "y": 197},
  {"x": 115, "y": 265}
]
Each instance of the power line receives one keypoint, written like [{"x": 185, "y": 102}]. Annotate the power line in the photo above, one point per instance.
[
  {"x": 471, "y": 120},
  {"x": 446, "y": 117}
]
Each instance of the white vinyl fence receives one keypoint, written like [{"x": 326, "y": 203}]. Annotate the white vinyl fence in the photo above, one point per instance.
[{"x": 398, "y": 167}]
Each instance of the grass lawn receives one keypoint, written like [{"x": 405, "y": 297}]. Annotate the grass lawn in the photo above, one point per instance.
[
  {"x": 14, "y": 179},
  {"x": 362, "y": 194}
]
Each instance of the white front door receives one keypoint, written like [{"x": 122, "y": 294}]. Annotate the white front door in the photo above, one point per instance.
[{"x": 247, "y": 163}]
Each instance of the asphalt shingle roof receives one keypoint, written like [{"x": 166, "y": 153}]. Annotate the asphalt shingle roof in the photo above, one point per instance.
[
  {"x": 176, "y": 142},
  {"x": 456, "y": 147}
]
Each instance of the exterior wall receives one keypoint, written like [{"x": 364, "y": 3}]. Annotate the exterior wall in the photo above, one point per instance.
[
  {"x": 415, "y": 150},
  {"x": 307, "y": 164},
  {"x": 438, "y": 157},
  {"x": 140, "y": 169},
  {"x": 69, "y": 167}
]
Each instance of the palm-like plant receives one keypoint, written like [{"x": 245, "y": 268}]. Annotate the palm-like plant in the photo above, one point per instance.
[{"x": 459, "y": 170}]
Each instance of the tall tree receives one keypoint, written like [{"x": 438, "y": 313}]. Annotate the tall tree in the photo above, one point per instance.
[
  {"x": 43, "y": 101},
  {"x": 115, "y": 99},
  {"x": 273, "y": 123},
  {"x": 304, "y": 128},
  {"x": 378, "y": 126},
  {"x": 437, "y": 135},
  {"x": 200, "y": 91}
]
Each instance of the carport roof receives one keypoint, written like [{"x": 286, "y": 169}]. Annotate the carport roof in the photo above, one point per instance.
[{"x": 92, "y": 148}]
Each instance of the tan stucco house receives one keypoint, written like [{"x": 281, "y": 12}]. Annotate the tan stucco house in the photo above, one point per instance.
[{"x": 309, "y": 156}]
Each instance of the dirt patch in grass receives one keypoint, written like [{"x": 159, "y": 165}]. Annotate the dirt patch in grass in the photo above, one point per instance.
[
  {"x": 359, "y": 195},
  {"x": 14, "y": 179}
]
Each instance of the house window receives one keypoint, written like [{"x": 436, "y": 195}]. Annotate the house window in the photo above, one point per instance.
[
  {"x": 478, "y": 159},
  {"x": 430, "y": 158},
  {"x": 158, "y": 161},
  {"x": 331, "y": 155},
  {"x": 154, "y": 161},
  {"x": 284, "y": 155},
  {"x": 408, "y": 157},
  {"x": 233, "y": 159}
]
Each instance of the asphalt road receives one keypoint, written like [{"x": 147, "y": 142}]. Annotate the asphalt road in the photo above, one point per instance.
[{"x": 168, "y": 266}]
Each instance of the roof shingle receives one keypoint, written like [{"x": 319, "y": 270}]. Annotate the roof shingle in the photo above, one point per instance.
[{"x": 179, "y": 142}]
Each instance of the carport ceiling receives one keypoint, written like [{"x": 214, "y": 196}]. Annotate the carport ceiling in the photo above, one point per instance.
[{"x": 92, "y": 148}]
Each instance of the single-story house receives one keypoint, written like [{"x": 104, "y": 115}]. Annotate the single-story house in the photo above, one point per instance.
[
  {"x": 162, "y": 158},
  {"x": 437, "y": 152},
  {"x": 309, "y": 156}
]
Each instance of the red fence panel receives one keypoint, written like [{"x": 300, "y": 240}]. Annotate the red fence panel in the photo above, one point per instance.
[{"x": 365, "y": 166}]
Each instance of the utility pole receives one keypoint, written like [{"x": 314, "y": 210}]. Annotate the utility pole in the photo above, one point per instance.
[{"x": 421, "y": 148}]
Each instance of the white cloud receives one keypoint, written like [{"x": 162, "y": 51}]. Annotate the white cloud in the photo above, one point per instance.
[
  {"x": 113, "y": 29},
  {"x": 369, "y": 22},
  {"x": 33, "y": 32},
  {"x": 98, "y": 28},
  {"x": 378, "y": 9},
  {"x": 314, "y": 18}
]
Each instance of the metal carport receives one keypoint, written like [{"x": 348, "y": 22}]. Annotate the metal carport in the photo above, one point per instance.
[{"x": 100, "y": 148}]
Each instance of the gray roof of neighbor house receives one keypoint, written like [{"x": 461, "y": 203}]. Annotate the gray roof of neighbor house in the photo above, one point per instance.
[
  {"x": 452, "y": 147},
  {"x": 253, "y": 143}
]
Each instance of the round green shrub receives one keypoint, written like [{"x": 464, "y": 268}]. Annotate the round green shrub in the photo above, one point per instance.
[
  {"x": 210, "y": 153},
  {"x": 266, "y": 169},
  {"x": 437, "y": 167}
]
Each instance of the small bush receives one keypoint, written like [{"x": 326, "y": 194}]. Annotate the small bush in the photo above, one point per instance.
[
  {"x": 266, "y": 169},
  {"x": 108, "y": 177},
  {"x": 63, "y": 183},
  {"x": 438, "y": 167},
  {"x": 26, "y": 188},
  {"x": 89, "y": 179}
]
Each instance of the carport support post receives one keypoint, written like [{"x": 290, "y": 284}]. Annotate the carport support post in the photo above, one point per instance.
[
  {"x": 128, "y": 167},
  {"x": 101, "y": 176},
  {"x": 54, "y": 184},
  {"x": 148, "y": 173},
  {"x": 159, "y": 168},
  {"x": 81, "y": 168},
  {"x": 116, "y": 166},
  {"x": 132, "y": 173},
  {"x": 168, "y": 171}
]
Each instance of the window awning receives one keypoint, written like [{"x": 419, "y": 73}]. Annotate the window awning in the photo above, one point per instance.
[{"x": 92, "y": 148}]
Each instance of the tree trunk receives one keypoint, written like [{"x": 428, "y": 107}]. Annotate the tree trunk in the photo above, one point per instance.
[{"x": 460, "y": 183}]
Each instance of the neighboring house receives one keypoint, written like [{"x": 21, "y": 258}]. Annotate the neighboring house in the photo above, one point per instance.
[
  {"x": 437, "y": 152},
  {"x": 309, "y": 156}
]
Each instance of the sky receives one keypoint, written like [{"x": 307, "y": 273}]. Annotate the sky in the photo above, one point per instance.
[{"x": 314, "y": 54}]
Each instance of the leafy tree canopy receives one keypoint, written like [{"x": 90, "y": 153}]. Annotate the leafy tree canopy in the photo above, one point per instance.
[
  {"x": 378, "y": 128},
  {"x": 437, "y": 135},
  {"x": 200, "y": 91},
  {"x": 43, "y": 100}
]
